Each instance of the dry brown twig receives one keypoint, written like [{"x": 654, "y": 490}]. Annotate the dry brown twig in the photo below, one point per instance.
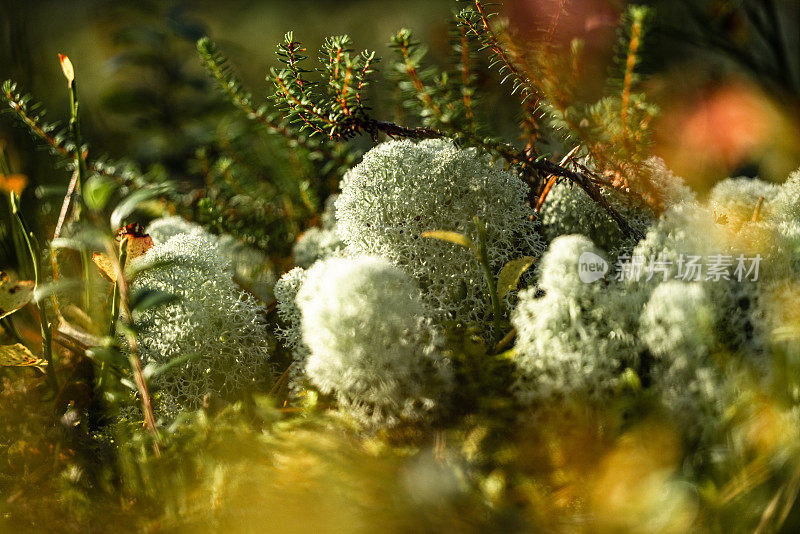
[{"x": 133, "y": 345}]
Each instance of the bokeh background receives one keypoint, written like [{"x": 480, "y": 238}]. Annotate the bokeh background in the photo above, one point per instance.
[{"x": 725, "y": 73}]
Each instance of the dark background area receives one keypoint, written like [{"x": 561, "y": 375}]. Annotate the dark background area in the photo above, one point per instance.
[
  {"x": 144, "y": 94},
  {"x": 728, "y": 91}
]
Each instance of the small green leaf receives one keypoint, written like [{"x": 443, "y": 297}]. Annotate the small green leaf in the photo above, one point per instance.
[
  {"x": 144, "y": 299},
  {"x": 509, "y": 355},
  {"x": 103, "y": 355},
  {"x": 629, "y": 380},
  {"x": 452, "y": 237},
  {"x": 59, "y": 287},
  {"x": 152, "y": 370},
  {"x": 97, "y": 190},
  {"x": 510, "y": 274},
  {"x": 133, "y": 201}
]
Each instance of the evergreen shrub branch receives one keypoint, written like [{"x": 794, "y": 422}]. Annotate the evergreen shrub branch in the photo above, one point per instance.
[
  {"x": 477, "y": 21},
  {"x": 30, "y": 114},
  {"x": 340, "y": 116}
]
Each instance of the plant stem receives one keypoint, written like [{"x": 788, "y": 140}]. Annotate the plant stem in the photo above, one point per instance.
[
  {"x": 123, "y": 257},
  {"x": 630, "y": 66},
  {"x": 16, "y": 240},
  {"x": 141, "y": 385},
  {"x": 75, "y": 130},
  {"x": 5, "y": 166},
  {"x": 123, "y": 304},
  {"x": 62, "y": 216},
  {"x": 87, "y": 273},
  {"x": 112, "y": 324},
  {"x": 120, "y": 173},
  {"x": 483, "y": 259},
  {"x": 33, "y": 247}
]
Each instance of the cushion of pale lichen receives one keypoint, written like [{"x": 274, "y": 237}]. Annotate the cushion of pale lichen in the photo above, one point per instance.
[
  {"x": 370, "y": 341},
  {"x": 402, "y": 189},
  {"x": 217, "y": 326}
]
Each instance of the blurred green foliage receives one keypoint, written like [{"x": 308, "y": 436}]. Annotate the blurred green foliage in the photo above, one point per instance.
[{"x": 146, "y": 98}]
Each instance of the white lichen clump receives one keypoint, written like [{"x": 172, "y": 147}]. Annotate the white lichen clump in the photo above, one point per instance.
[
  {"x": 682, "y": 332},
  {"x": 218, "y": 327},
  {"x": 364, "y": 322},
  {"x": 319, "y": 243},
  {"x": 665, "y": 188},
  {"x": 164, "y": 228},
  {"x": 370, "y": 342},
  {"x": 569, "y": 210},
  {"x": 787, "y": 201},
  {"x": 738, "y": 198},
  {"x": 678, "y": 320},
  {"x": 251, "y": 267},
  {"x": 677, "y": 326},
  {"x": 316, "y": 244},
  {"x": 684, "y": 230},
  {"x": 291, "y": 334},
  {"x": 402, "y": 189},
  {"x": 581, "y": 342},
  {"x": 574, "y": 341}
]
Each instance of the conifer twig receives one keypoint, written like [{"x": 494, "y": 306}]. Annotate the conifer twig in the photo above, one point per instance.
[
  {"x": 552, "y": 179},
  {"x": 217, "y": 67},
  {"x": 630, "y": 64},
  {"x": 323, "y": 114},
  {"x": 402, "y": 42},
  {"x": 466, "y": 77},
  {"x": 19, "y": 105},
  {"x": 477, "y": 22},
  {"x": 551, "y": 30}
]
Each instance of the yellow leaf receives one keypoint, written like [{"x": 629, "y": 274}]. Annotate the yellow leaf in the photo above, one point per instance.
[
  {"x": 105, "y": 265},
  {"x": 510, "y": 274},
  {"x": 14, "y": 294},
  {"x": 13, "y": 183},
  {"x": 138, "y": 244},
  {"x": 18, "y": 355},
  {"x": 452, "y": 237}
]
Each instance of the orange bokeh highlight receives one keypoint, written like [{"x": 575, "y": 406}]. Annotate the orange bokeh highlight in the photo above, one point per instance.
[{"x": 727, "y": 127}]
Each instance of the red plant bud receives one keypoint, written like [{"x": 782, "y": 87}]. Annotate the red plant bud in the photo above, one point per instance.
[{"x": 66, "y": 66}]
